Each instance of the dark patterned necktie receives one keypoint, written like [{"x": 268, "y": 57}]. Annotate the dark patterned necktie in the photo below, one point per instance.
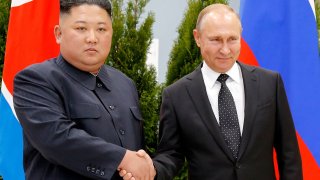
[{"x": 228, "y": 118}]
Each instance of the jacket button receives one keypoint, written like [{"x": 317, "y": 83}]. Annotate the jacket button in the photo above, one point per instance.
[
  {"x": 88, "y": 168},
  {"x": 238, "y": 166},
  {"x": 122, "y": 132},
  {"x": 99, "y": 85},
  {"x": 93, "y": 170},
  {"x": 111, "y": 107}
]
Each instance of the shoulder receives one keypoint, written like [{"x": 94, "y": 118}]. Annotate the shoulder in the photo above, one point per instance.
[
  {"x": 259, "y": 71},
  {"x": 38, "y": 69},
  {"x": 117, "y": 76},
  {"x": 40, "y": 66},
  {"x": 115, "y": 72},
  {"x": 265, "y": 77},
  {"x": 194, "y": 77}
]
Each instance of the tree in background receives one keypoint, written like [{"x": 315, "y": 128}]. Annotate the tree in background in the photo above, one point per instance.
[
  {"x": 185, "y": 55},
  {"x": 317, "y": 8},
  {"x": 4, "y": 18},
  {"x": 132, "y": 37}
]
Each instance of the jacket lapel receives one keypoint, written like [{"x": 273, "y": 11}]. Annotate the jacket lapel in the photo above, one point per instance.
[
  {"x": 250, "y": 81},
  {"x": 197, "y": 93}
]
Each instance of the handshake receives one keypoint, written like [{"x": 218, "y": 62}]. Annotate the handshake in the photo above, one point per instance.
[{"x": 136, "y": 166}]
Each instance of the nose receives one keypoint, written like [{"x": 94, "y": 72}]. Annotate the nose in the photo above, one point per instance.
[
  {"x": 92, "y": 37},
  {"x": 225, "y": 49}
]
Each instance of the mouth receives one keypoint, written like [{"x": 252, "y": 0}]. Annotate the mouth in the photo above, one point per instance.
[
  {"x": 91, "y": 50},
  {"x": 225, "y": 58}
]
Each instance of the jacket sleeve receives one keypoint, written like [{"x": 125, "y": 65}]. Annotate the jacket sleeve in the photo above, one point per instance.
[
  {"x": 60, "y": 140},
  {"x": 169, "y": 157},
  {"x": 286, "y": 145}
]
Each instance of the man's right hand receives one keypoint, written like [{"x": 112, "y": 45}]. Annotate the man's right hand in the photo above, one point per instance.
[{"x": 137, "y": 166}]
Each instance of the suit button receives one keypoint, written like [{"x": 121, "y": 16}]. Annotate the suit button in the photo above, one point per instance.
[
  {"x": 88, "y": 168},
  {"x": 111, "y": 107},
  {"x": 238, "y": 165},
  {"x": 122, "y": 132},
  {"x": 93, "y": 170},
  {"x": 99, "y": 85}
]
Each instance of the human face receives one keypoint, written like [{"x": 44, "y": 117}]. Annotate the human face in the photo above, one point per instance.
[
  {"x": 218, "y": 38},
  {"x": 85, "y": 37}
]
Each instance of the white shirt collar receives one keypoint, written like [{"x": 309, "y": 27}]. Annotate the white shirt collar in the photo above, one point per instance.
[{"x": 234, "y": 73}]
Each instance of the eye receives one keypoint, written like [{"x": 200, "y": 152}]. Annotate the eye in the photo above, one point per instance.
[
  {"x": 101, "y": 29},
  {"x": 214, "y": 39},
  {"x": 233, "y": 39},
  {"x": 80, "y": 28}
]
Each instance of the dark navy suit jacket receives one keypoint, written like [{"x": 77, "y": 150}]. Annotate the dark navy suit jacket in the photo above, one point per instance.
[
  {"x": 76, "y": 126},
  {"x": 189, "y": 129}
]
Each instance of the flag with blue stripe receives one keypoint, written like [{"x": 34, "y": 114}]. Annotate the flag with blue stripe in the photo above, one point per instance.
[
  {"x": 30, "y": 40},
  {"x": 282, "y": 36}
]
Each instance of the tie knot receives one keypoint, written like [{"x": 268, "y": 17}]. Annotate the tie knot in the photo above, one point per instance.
[{"x": 222, "y": 78}]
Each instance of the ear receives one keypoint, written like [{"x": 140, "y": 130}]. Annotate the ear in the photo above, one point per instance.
[
  {"x": 57, "y": 33},
  {"x": 196, "y": 36}
]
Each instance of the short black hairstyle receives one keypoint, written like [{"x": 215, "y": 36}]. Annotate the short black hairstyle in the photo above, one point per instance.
[{"x": 66, "y": 5}]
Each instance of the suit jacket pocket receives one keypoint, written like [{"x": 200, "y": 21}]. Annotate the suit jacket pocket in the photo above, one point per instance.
[
  {"x": 136, "y": 113},
  {"x": 84, "y": 111}
]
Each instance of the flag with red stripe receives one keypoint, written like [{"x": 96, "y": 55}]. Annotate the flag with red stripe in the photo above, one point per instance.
[
  {"x": 30, "y": 40},
  {"x": 282, "y": 35}
]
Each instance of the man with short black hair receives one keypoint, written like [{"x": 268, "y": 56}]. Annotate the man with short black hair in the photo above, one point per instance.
[{"x": 80, "y": 117}]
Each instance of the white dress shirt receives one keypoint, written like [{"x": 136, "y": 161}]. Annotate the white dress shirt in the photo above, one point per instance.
[{"x": 235, "y": 85}]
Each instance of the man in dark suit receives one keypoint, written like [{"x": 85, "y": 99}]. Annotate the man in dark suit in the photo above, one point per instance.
[
  {"x": 233, "y": 145},
  {"x": 80, "y": 118}
]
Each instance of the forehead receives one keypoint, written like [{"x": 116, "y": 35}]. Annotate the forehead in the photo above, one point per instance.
[{"x": 220, "y": 22}]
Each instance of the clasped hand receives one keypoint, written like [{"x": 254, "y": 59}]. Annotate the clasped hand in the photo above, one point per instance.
[{"x": 136, "y": 166}]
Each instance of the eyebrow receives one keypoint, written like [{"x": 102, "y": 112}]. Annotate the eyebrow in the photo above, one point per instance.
[{"x": 79, "y": 21}]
